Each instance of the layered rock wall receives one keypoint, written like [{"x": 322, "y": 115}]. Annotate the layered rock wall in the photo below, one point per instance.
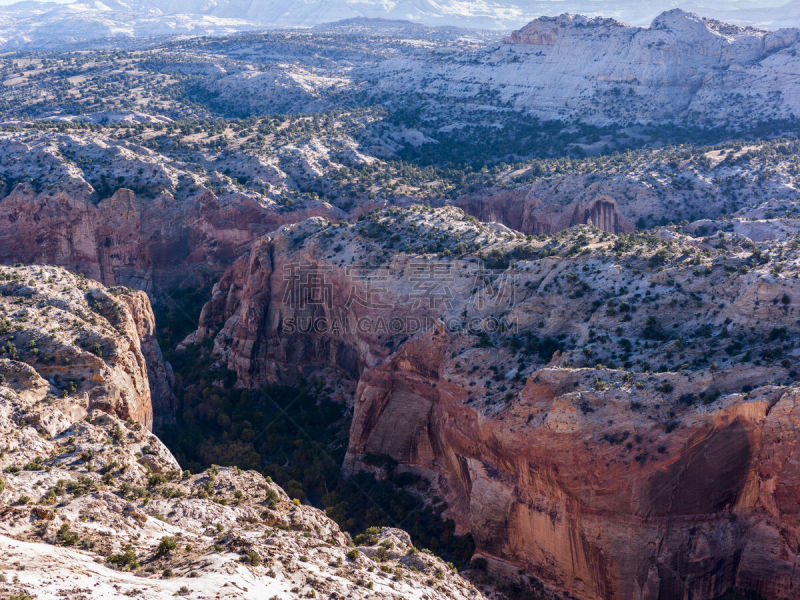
[
  {"x": 645, "y": 482},
  {"x": 155, "y": 244}
]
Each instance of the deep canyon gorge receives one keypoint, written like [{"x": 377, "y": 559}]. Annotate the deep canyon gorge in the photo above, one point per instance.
[{"x": 379, "y": 310}]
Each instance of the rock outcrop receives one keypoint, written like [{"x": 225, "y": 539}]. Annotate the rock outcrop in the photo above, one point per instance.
[
  {"x": 95, "y": 506},
  {"x": 612, "y": 415},
  {"x": 730, "y": 188},
  {"x": 573, "y": 488},
  {"x": 524, "y": 211},
  {"x": 172, "y": 232},
  {"x": 116, "y": 353},
  {"x": 91, "y": 346}
]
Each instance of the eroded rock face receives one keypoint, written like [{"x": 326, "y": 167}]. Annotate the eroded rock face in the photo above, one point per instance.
[
  {"x": 159, "y": 371},
  {"x": 639, "y": 197},
  {"x": 260, "y": 314},
  {"x": 666, "y": 473},
  {"x": 530, "y": 213},
  {"x": 90, "y": 346},
  {"x": 152, "y": 244},
  {"x": 94, "y": 504}
]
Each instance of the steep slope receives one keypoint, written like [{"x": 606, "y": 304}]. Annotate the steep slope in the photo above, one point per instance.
[
  {"x": 95, "y": 506},
  {"x": 538, "y": 210},
  {"x": 612, "y": 415}
]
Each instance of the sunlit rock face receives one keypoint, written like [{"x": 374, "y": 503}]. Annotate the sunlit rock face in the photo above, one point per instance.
[
  {"x": 605, "y": 482},
  {"x": 671, "y": 70},
  {"x": 93, "y": 347},
  {"x": 680, "y": 69},
  {"x": 89, "y": 494}
]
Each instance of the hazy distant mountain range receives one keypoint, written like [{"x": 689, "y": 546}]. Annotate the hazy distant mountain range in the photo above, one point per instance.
[{"x": 34, "y": 23}]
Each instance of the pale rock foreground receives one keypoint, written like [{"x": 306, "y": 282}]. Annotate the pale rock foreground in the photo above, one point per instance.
[{"x": 93, "y": 505}]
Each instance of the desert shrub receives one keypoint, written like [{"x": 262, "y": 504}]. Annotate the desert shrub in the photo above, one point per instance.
[
  {"x": 126, "y": 559},
  {"x": 272, "y": 498},
  {"x": 66, "y": 537},
  {"x": 369, "y": 537},
  {"x": 165, "y": 546}
]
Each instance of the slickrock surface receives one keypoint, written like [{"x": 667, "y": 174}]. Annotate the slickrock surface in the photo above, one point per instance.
[
  {"x": 94, "y": 348},
  {"x": 613, "y": 415},
  {"x": 94, "y": 506}
]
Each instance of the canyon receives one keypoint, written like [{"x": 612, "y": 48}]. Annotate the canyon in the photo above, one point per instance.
[
  {"x": 548, "y": 279},
  {"x": 94, "y": 505},
  {"x": 548, "y": 428}
]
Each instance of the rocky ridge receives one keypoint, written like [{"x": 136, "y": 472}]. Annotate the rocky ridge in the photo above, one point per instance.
[
  {"x": 95, "y": 506},
  {"x": 681, "y": 68},
  {"x": 667, "y": 376},
  {"x": 124, "y": 214},
  {"x": 138, "y": 212}
]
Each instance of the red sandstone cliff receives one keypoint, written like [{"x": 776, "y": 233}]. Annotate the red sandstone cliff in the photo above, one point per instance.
[
  {"x": 551, "y": 485},
  {"x": 603, "y": 483},
  {"x": 159, "y": 371},
  {"x": 525, "y": 211},
  {"x": 134, "y": 241}
]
